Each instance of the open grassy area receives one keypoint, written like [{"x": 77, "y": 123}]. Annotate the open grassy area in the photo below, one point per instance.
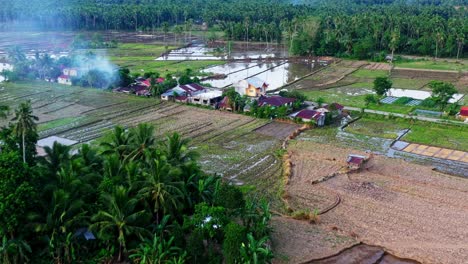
[
  {"x": 427, "y": 133},
  {"x": 434, "y": 65},
  {"x": 440, "y": 135},
  {"x": 376, "y": 127},
  {"x": 142, "y": 58},
  {"x": 363, "y": 73},
  {"x": 406, "y": 83}
]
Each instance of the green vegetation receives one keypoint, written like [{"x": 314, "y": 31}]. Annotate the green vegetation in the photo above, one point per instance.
[
  {"x": 370, "y": 74},
  {"x": 434, "y": 65},
  {"x": 144, "y": 199},
  {"x": 433, "y": 134},
  {"x": 57, "y": 123},
  {"x": 382, "y": 85}
]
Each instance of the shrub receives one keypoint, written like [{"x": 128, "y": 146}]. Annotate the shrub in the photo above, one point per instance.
[
  {"x": 428, "y": 102},
  {"x": 229, "y": 197},
  {"x": 234, "y": 236},
  {"x": 403, "y": 100},
  {"x": 303, "y": 214},
  {"x": 370, "y": 99}
]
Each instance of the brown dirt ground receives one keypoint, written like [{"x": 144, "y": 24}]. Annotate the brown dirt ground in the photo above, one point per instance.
[
  {"x": 408, "y": 209},
  {"x": 277, "y": 129}
]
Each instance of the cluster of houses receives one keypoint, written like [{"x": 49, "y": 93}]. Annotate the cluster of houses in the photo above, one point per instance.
[{"x": 140, "y": 87}]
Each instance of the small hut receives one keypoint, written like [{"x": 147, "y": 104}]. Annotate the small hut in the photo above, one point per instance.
[{"x": 355, "y": 162}]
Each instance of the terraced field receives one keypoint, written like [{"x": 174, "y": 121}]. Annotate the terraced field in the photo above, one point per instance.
[{"x": 229, "y": 144}]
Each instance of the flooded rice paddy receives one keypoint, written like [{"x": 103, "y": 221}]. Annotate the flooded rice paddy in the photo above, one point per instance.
[{"x": 275, "y": 74}]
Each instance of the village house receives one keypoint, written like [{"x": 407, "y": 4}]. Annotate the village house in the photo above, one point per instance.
[
  {"x": 186, "y": 90},
  {"x": 355, "y": 162},
  {"x": 67, "y": 75},
  {"x": 136, "y": 88},
  {"x": 225, "y": 104},
  {"x": 307, "y": 115},
  {"x": 275, "y": 101},
  {"x": 463, "y": 114},
  {"x": 208, "y": 98},
  {"x": 252, "y": 87}
]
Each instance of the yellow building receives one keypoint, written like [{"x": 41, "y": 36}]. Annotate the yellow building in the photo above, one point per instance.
[{"x": 252, "y": 87}]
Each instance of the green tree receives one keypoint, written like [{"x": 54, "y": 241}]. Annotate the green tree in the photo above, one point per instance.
[
  {"x": 120, "y": 218},
  {"x": 4, "y": 111},
  {"x": 442, "y": 92},
  {"x": 25, "y": 129},
  {"x": 256, "y": 251},
  {"x": 382, "y": 85},
  {"x": 234, "y": 236}
]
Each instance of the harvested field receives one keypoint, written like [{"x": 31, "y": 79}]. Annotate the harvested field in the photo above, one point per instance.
[
  {"x": 409, "y": 210},
  {"x": 378, "y": 66},
  {"x": 329, "y": 76},
  {"x": 451, "y": 76},
  {"x": 278, "y": 130},
  {"x": 227, "y": 142}
]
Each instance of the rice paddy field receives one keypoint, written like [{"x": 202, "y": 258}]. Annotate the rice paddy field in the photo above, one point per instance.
[{"x": 229, "y": 144}]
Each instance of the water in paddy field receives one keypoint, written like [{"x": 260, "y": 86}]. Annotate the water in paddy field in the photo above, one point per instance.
[
  {"x": 201, "y": 52},
  {"x": 275, "y": 74}
]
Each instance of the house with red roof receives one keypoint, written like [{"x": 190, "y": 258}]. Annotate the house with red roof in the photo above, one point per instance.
[
  {"x": 463, "y": 114},
  {"x": 147, "y": 82},
  {"x": 275, "y": 101},
  {"x": 67, "y": 75},
  {"x": 355, "y": 161},
  {"x": 307, "y": 115}
]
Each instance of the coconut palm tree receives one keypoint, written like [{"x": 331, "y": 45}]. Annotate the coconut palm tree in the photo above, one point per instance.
[
  {"x": 117, "y": 143},
  {"x": 161, "y": 188},
  {"x": 176, "y": 150},
  {"x": 25, "y": 125},
  {"x": 120, "y": 218},
  {"x": 142, "y": 140}
]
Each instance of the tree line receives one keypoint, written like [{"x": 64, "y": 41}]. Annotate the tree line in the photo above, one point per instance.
[
  {"x": 359, "y": 29},
  {"x": 130, "y": 198}
]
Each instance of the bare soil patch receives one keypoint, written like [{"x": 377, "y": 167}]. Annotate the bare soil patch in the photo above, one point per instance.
[
  {"x": 278, "y": 130},
  {"x": 409, "y": 210},
  {"x": 378, "y": 66}
]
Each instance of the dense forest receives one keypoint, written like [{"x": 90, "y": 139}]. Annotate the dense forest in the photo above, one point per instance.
[
  {"x": 131, "y": 198},
  {"x": 353, "y": 28}
]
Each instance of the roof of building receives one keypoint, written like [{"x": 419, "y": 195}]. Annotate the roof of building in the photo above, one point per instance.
[
  {"x": 192, "y": 88},
  {"x": 308, "y": 114},
  {"x": 147, "y": 82},
  {"x": 49, "y": 141},
  {"x": 274, "y": 100},
  {"x": 63, "y": 76},
  {"x": 355, "y": 159},
  {"x": 464, "y": 111},
  {"x": 336, "y": 105},
  {"x": 257, "y": 82}
]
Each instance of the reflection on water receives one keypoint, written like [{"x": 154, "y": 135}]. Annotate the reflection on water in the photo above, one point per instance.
[
  {"x": 201, "y": 52},
  {"x": 275, "y": 74}
]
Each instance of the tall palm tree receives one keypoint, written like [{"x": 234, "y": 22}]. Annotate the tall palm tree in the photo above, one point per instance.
[
  {"x": 120, "y": 218},
  {"x": 161, "y": 188},
  {"x": 176, "y": 150},
  {"x": 142, "y": 139},
  {"x": 116, "y": 143},
  {"x": 25, "y": 124},
  {"x": 57, "y": 157}
]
